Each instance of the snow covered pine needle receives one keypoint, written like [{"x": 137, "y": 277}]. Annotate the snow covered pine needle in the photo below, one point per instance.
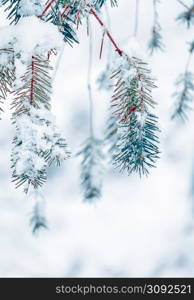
[
  {"x": 137, "y": 148},
  {"x": 37, "y": 143},
  {"x": 91, "y": 169}
]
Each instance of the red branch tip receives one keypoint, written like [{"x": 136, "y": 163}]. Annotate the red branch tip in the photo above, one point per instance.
[
  {"x": 32, "y": 81},
  {"x": 47, "y": 8},
  {"x": 118, "y": 50}
]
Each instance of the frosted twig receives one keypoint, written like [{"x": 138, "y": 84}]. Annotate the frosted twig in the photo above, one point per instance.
[
  {"x": 136, "y": 17},
  {"x": 89, "y": 78},
  {"x": 183, "y": 4}
]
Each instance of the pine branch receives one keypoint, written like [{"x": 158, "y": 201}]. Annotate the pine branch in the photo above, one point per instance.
[
  {"x": 21, "y": 8},
  {"x": 132, "y": 101},
  {"x": 103, "y": 80},
  {"x": 184, "y": 96},
  {"x": 92, "y": 157},
  {"x": 6, "y": 73},
  {"x": 38, "y": 142},
  {"x": 36, "y": 86},
  {"x": 93, "y": 12},
  {"x": 91, "y": 169},
  {"x": 187, "y": 16},
  {"x": 156, "y": 40},
  {"x": 184, "y": 92},
  {"x": 13, "y": 9},
  {"x": 64, "y": 18},
  {"x": 111, "y": 135},
  {"x": 38, "y": 220},
  {"x": 48, "y": 6}
]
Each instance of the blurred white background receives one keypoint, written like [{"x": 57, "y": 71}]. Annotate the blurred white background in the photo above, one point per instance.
[{"x": 140, "y": 227}]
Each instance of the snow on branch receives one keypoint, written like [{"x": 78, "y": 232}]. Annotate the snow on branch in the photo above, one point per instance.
[
  {"x": 38, "y": 142},
  {"x": 137, "y": 148},
  {"x": 22, "y": 8},
  {"x": 34, "y": 86}
]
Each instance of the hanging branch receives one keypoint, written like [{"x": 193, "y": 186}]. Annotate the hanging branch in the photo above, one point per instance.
[
  {"x": 137, "y": 148},
  {"x": 188, "y": 15},
  {"x": 6, "y": 74},
  {"x": 156, "y": 40},
  {"x": 37, "y": 143},
  {"x": 103, "y": 80},
  {"x": 185, "y": 81},
  {"x": 91, "y": 164},
  {"x": 111, "y": 135},
  {"x": 92, "y": 11},
  {"x": 111, "y": 130},
  {"x": 185, "y": 88},
  {"x": 38, "y": 220}
]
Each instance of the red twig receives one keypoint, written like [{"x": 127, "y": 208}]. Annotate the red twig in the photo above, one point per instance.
[
  {"x": 120, "y": 52},
  {"x": 47, "y": 8},
  {"x": 102, "y": 44},
  {"x": 32, "y": 80},
  {"x": 67, "y": 8}
]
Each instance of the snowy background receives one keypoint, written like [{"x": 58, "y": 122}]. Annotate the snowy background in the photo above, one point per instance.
[{"x": 139, "y": 227}]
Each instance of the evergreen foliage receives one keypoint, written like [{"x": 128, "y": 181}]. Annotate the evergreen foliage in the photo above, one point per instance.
[
  {"x": 184, "y": 90},
  {"x": 91, "y": 169},
  {"x": 37, "y": 220},
  {"x": 13, "y": 10},
  {"x": 111, "y": 135},
  {"x": 187, "y": 16},
  {"x": 183, "y": 95},
  {"x": 37, "y": 143},
  {"x": 25, "y": 71},
  {"x": 132, "y": 101},
  {"x": 6, "y": 74},
  {"x": 155, "y": 42}
]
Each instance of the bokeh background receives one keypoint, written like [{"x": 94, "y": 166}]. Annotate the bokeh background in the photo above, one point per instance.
[{"x": 140, "y": 227}]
